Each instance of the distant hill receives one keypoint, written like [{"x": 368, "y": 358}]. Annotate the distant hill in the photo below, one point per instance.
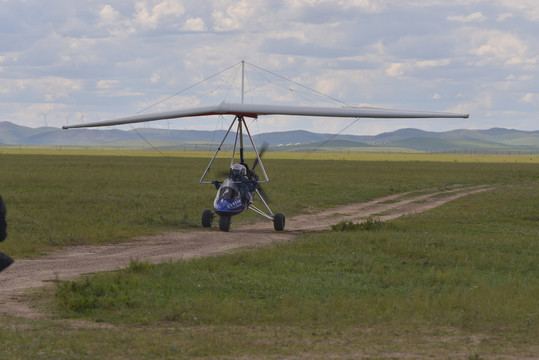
[
  {"x": 485, "y": 141},
  {"x": 19, "y": 135}
]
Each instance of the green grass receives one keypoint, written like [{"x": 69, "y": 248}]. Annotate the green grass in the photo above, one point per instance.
[
  {"x": 60, "y": 200},
  {"x": 474, "y": 271},
  {"x": 364, "y": 154},
  {"x": 460, "y": 280},
  {"x": 69, "y": 200},
  {"x": 456, "y": 281}
]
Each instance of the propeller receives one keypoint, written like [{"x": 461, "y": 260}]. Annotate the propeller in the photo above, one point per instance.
[
  {"x": 263, "y": 149},
  {"x": 251, "y": 173},
  {"x": 263, "y": 193}
]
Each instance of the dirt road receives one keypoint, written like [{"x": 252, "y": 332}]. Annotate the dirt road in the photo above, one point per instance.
[{"x": 75, "y": 261}]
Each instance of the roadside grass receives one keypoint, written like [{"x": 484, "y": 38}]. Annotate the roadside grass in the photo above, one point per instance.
[
  {"x": 60, "y": 200},
  {"x": 55, "y": 201},
  {"x": 472, "y": 264}
]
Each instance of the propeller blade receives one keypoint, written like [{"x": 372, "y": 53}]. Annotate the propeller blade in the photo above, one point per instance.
[
  {"x": 263, "y": 193},
  {"x": 263, "y": 149}
]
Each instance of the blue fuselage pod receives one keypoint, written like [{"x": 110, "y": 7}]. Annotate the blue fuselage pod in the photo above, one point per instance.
[
  {"x": 228, "y": 199},
  {"x": 228, "y": 207}
]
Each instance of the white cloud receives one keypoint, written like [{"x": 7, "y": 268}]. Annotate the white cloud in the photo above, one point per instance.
[
  {"x": 396, "y": 69},
  {"x": 236, "y": 15},
  {"x": 527, "y": 8},
  {"x": 474, "y": 17},
  {"x": 432, "y": 63},
  {"x": 107, "y": 16},
  {"x": 400, "y": 69},
  {"x": 152, "y": 14},
  {"x": 106, "y": 84},
  {"x": 155, "y": 77},
  {"x": 505, "y": 16},
  {"x": 50, "y": 88},
  {"x": 530, "y": 98},
  {"x": 368, "y": 6},
  {"x": 513, "y": 77},
  {"x": 194, "y": 24},
  {"x": 500, "y": 48},
  {"x": 39, "y": 114}
]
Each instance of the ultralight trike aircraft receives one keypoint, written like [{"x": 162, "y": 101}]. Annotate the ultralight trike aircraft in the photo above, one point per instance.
[{"x": 235, "y": 193}]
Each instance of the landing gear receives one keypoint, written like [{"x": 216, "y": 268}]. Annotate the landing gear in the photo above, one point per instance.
[
  {"x": 279, "y": 221},
  {"x": 224, "y": 223},
  {"x": 226, "y": 202},
  {"x": 207, "y": 218}
]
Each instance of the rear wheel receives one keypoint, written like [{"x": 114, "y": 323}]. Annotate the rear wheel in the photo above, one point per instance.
[
  {"x": 207, "y": 218},
  {"x": 278, "y": 221},
  {"x": 224, "y": 223}
]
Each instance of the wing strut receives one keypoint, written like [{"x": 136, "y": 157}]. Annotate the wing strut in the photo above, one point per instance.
[
  {"x": 201, "y": 181},
  {"x": 241, "y": 123}
]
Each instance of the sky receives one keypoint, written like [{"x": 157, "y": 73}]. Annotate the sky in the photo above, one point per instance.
[{"x": 69, "y": 61}]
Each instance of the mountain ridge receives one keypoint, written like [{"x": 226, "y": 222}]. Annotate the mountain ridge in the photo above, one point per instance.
[{"x": 494, "y": 139}]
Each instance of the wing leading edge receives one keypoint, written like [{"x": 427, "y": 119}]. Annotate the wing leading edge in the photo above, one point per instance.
[{"x": 253, "y": 110}]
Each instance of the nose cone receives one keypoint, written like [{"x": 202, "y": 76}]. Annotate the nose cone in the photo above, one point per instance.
[{"x": 228, "y": 207}]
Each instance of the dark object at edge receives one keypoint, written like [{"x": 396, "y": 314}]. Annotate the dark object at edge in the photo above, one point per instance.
[{"x": 5, "y": 260}]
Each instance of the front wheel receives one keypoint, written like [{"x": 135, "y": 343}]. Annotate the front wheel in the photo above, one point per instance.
[
  {"x": 207, "y": 218},
  {"x": 224, "y": 223},
  {"x": 278, "y": 221}
]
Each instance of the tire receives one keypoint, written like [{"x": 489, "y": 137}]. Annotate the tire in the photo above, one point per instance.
[
  {"x": 207, "y": 218},
  {"x": 224, "y": 223},
  {"x": 279, "y": 221}
]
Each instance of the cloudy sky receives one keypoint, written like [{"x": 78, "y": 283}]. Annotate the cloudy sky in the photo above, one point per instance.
[{"x": 67, "y": 61}]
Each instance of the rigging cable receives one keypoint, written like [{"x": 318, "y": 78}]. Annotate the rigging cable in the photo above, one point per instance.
[
  {"x": 316, "y": 92},
  {"x": 171, "y": 96},
  {"x": 146, "y": 141},
  {"x": 187, "y": 88},
  {"x": 301, "y": 85}
]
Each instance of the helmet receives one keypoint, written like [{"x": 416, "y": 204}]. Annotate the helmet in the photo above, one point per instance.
[{"x": 238, "y": 169}]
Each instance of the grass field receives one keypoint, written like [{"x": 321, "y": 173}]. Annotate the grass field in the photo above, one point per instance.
[
  {"x": 380, "y": 155},
  {"x": 58, "y": 200},
  {"x": 459, "y": 281}
]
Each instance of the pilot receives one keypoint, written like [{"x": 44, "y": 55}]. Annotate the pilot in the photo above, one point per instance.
[
  {"x": 238, "y": 174},
  {"x": 5, "y": 260}
]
